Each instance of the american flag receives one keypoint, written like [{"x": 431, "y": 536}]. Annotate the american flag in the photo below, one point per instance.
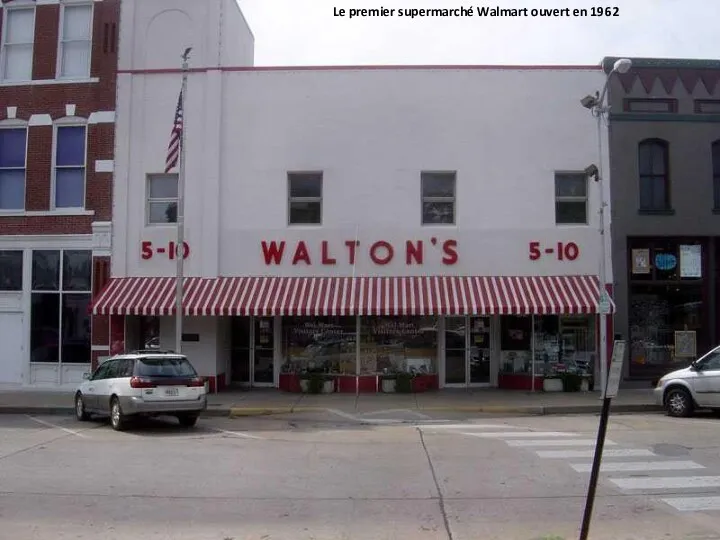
[{"x": 175, "y": 135}]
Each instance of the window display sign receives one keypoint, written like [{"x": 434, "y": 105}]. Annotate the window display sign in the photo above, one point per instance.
[
  {"x": 640, "y": 261},
  {"x": 685, "y": 344},
  {"x": 691, "y": 261}
]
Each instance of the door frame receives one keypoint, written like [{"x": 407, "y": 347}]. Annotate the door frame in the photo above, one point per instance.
[
  {"x": 467, "y": 383},
  {"x": 250, "y": 383}
]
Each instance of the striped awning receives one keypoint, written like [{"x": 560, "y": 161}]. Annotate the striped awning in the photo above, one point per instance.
[{"x": 417, "y": 295}]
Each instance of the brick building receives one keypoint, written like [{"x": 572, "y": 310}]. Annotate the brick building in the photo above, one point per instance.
[{"x": 58, "y": 63}]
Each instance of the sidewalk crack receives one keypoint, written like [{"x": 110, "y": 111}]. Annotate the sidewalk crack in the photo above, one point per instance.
[{"x": 441, "y": 499}]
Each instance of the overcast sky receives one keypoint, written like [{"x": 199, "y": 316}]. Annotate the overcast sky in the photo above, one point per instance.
[{"x": 305, "y": 32}]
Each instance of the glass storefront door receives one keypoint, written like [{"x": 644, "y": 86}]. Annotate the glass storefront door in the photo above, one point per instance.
[
  {"x": 252, "y": 351},
  {"x": 468, "y": 347}
]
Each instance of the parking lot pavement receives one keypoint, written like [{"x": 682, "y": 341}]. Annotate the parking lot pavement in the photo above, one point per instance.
[{"x": 327, "y": 477}]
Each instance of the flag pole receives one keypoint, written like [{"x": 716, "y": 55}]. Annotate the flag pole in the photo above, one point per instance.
[{"x": 180, "y": 244}]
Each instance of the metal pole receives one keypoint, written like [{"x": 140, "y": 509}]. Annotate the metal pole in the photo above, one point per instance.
[
  {"x": 585, "y": 529},
  {"x": 532, "y": 353},
  {"x": 180, "y": 244},
  {"x": 603, "y": 254}
]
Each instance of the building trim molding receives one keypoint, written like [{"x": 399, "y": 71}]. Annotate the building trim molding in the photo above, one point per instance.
[{"x": 47, "y": 241}]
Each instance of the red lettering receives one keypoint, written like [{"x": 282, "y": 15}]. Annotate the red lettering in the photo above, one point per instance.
[
  {"x": 351, "y": 245},
  {"x": 381, "y": 244},
  {"x": 414, "y": 251},
  {"x": 326, "y": 259},
  {"x": 449, "y": 248},
  {"x": 534, "y": 251},
  {"x": 146, "y": 250},
  {"x": 301, "y": 254},
  {"x": 272, "y": 252}
]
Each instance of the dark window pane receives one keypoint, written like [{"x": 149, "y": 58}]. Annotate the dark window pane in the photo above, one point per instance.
[
  {"x": 716, "y": 158},
  {"x": 305, "y": 185},
  {"x": 438, "y": 184},
  {"x": 570, "y": 185},
  {"x": 70, "y": 188},
  {"x": 167, "y": 366},
  {"x": 45, "y": 327},
  {"x": 12, "y": 147},
  {"x": 11, "y": 270},
  {"x": 45, "y": 270},
  {"x": 12, "y": 189},
  {"x": 438, "y": 213},
  {"x": 652, "y": 156},
  {"x": 75, "y": 329},
  {"x": 163, "y": 186},
  {"x": 77, "y": 270},
  {"x": 70, "y": 146},
  {"x": 666, "y": 261},
  {"x": 305, "y": 213},
  {"x": 716, "y": 191},
  {"x": 571, "y": 212},
  {"x": 658, "y": 159},
  {"x": 659, "y": 199},
  {"x": 162, "y": 212}
]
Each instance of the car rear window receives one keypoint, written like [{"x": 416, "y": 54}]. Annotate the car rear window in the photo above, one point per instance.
[{"x": 164, "y": 366}]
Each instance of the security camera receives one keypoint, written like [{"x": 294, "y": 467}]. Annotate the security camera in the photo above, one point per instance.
[
  {"x": 622, "y": 65},
  {"x": 589, "y": 102},
  {"x": 591, "y": 171}
]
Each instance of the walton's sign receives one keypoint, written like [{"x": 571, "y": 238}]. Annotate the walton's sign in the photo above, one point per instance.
[{"x": 380, "y": 252}]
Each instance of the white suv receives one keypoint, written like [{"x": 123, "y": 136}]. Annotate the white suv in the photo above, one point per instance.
[
  {"x": 694, "y": 387},
  {"x": 147, "y": 383}
]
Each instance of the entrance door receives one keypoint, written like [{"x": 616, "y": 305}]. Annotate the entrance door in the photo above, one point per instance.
[
  {"x": 12, "y": 358},
  {"x": 468, "y": 348},
  {"x": 240, "y": 347},
  {"x": 264, "y": 353}
]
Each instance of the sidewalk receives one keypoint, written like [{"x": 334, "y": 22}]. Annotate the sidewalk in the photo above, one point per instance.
[{"x": 262, "y": 402}]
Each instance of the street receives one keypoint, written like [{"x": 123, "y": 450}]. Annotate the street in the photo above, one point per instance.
[{"x": 332, "y": 476}]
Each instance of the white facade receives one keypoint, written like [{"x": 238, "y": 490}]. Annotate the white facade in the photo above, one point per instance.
[{"x": 370, "y": 131}]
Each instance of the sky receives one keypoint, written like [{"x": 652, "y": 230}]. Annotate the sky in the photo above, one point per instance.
[{"x": 307, "y": 32}]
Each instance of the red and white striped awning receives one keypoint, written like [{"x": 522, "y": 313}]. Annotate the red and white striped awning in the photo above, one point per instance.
[{"x": 417, "y": 295}]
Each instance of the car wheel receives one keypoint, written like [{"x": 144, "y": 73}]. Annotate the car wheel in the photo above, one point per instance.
[
  {"x": 187, "y": 420},
  {"x": 117, "y": 418},
  {"x": 80, "y": 413},
  {"x": 678, "y": 402}
]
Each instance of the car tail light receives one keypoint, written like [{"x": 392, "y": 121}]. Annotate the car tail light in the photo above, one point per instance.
[
  {"x": 196, "y": 381},
  {"x": 139, "y": 382}
]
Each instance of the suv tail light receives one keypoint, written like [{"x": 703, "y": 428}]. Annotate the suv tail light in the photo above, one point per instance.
[
  {"x": 139, "y": 382},
  {"x": 196, "y": 381}
]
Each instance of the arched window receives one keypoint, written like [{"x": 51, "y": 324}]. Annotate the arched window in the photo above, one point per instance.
[
  {"x": 716, "y": 173},
  {"x": 654, "y": 175}
]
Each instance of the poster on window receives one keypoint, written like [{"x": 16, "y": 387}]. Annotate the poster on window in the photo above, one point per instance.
[
  {"x": 691, "y": 261},
  {"x": 685, "y": 344},
  {"x": 640, "y": 261}
]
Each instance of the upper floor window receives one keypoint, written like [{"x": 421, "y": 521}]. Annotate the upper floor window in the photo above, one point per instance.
[
  {"x": 75, "y": 41},
  {"x": 438, "y": 198},
  {"x": 69, "y": 169},
  {"x": 653, "y": 163},
  {"x": 716, "y": 173},
  {"x": 571, "y": 199},
  {"x": 651, "y": 105},
  {"x": 162, "y": 198},
  {"x": 305, "y": 198},
  {"x": 13, "y": 147},
  {"x": 18, "y": 36},
  {"x": 11, "y": 270}
]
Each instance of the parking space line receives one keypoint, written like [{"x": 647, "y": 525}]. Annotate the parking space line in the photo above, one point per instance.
[
  {"x": 55, "y": 426},
  {"x": 236, "y": 433}
]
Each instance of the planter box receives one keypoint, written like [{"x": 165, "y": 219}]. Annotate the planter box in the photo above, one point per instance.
[
  {"x": 585, "y": 385},
  {"x": 552, "y": 385},
  {"x": 423, "y": 383},
  {"x": 388, "y": 385},
  {"x": 519, "y": 381},
  {"x": 328, "y": 386},
  {"x": 289, "y": 382}
]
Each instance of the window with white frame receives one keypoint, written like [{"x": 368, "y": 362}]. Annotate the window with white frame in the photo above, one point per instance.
[
  {"x": 438, "y": 198},
  {"x": 571, "y": 198},
  {"x": 13, "y": 149},
  {"x": 162, "y": 199},
  {"x": 75, "y": 41},
  {"x": 18, "y": 37},
  {"x": 305, "y": 198},
  {"x": 70, "y": 142}
]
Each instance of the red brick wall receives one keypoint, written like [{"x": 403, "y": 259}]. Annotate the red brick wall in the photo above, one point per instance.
[{"x": 51, "y": 99}]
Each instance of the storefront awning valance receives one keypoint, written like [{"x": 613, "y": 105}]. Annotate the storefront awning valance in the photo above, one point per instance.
[{"x": 410, "y": 295}]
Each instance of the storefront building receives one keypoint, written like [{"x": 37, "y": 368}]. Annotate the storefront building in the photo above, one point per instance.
[
  {"x": 354, "y": 221},
  {"x": 57, "y": 89},
  {"x": 665, "y": 195}
]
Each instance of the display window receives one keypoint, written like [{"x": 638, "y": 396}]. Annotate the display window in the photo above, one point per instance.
[
  {"x": 319, "y": 344},
  {"x": 398, "y": 344}
]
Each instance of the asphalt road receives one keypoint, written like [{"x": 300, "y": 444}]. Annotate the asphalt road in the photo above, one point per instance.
[{"x": 333, "y": 477}]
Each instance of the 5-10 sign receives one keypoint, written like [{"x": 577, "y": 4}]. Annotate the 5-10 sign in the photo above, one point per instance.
[
  {"x": 147, "y": 251},
  {"x": 562, "y": 251}
]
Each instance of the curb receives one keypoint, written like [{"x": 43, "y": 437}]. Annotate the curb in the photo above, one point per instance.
[{"x": 236, "y": 412}]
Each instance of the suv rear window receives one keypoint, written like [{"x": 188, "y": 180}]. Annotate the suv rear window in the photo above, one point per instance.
[{"x": 164, "y": 366}]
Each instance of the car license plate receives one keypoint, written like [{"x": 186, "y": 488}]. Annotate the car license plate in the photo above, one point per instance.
[{"x": 171, "y": 392}]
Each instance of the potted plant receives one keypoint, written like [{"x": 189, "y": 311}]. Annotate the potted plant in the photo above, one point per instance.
[
  {"x": 316, "y": 383},
  {"x": 552, "y": 383},
  {"x": 388, "y": 382},
  {"x": 403, "y": 382},
  {"x": 571, "y": 382}
]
